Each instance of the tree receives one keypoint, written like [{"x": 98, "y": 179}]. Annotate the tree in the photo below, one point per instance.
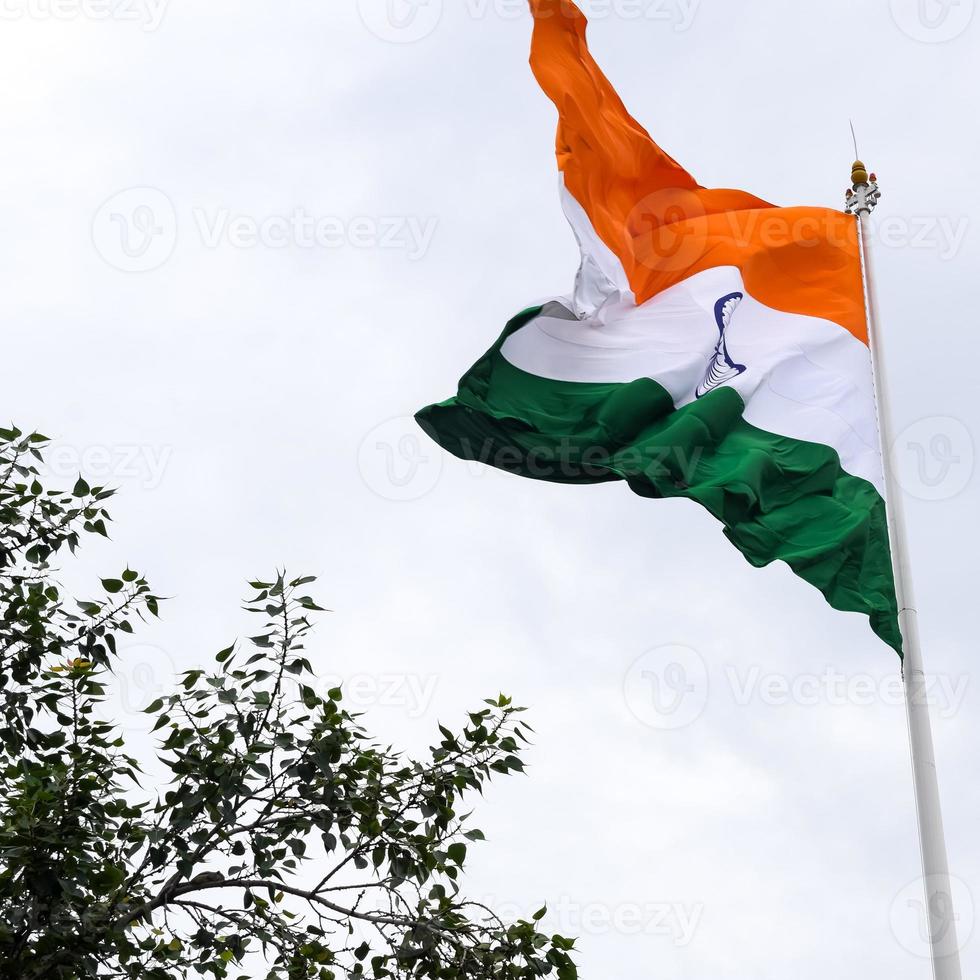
[{"x": 286, "y": 842}]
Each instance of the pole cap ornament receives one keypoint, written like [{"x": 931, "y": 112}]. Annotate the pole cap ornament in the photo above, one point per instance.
[{"x": 863, "y": 195}]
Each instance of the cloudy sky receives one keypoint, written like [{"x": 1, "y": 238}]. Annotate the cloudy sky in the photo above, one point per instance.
[{"x": 245, "y": 241}]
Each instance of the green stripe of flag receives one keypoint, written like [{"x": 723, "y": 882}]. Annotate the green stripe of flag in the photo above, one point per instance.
[{"x": 778, "y": 498}]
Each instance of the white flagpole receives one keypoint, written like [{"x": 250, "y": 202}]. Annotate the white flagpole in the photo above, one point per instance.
[{"x": 940, "y": 918}]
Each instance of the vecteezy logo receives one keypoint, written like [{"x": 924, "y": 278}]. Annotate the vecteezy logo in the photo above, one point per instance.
[
  {"x": 141, "y": 673},
  {"x": 722, "y": 368},
  {"x": 398, "y": 462},
  {"x": 933, "y": 21},
  {"x": 136, "y": 229},
  {"x": 667, "y": 688},
  {"x": 933, "y": 916},
  {"x": 934, "y": 458},
  {"x": 400, "y": 21}
]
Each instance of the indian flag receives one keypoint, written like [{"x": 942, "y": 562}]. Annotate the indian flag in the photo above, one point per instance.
[{"x": 714, "y": 347}]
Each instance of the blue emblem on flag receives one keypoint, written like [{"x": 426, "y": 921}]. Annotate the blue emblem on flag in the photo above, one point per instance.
[{"x": 722, "y": 368}]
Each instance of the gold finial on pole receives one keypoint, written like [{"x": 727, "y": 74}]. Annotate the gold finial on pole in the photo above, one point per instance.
[
  {"x": 863, "y": 195},
  {"x": 859, "y": 174}
]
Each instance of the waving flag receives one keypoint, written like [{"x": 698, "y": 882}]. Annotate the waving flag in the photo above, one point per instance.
[{"x": 714, "y": 347}]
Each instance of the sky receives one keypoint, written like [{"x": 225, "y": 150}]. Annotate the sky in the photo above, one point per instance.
[{"x": 245, "y": 242}]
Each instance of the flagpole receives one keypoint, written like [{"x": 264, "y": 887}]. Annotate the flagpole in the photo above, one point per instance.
[{"x": 862, "y": 199}]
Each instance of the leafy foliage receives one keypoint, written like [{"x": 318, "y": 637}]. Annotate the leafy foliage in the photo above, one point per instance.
[{"x": 285, "y": 839}]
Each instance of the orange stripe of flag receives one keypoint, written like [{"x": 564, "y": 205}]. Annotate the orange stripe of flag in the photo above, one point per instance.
[{"x": 656, "y": 218}]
